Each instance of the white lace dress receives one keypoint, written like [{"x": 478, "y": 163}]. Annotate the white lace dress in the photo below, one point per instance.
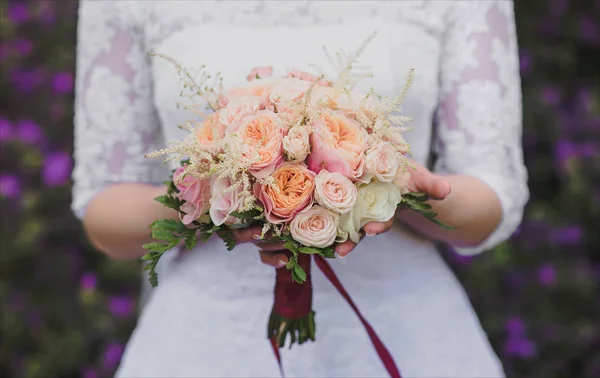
[{"x": 207, "y": 317}]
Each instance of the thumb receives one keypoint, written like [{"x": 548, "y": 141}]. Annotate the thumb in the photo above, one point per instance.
[{"x": 438, "y": 188}]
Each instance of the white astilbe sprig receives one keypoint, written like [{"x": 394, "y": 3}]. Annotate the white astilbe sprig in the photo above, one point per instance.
[
  {"x": 346, "y": 63},
  {"x": 197, "y": 83}
]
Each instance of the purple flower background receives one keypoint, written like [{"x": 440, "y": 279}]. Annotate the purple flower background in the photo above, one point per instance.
[{"x": 67, "y": 311}]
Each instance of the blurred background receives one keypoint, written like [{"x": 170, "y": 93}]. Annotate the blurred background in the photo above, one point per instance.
[{"x": 66, "y": 311}]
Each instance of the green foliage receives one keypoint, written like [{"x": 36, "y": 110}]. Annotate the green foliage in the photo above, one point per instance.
[{"x": 416, "y": 202}]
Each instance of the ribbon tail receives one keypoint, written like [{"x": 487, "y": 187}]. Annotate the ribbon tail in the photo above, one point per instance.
[
  {"x": 277, "y": 356},
  {"x": 382, "y": 352}
]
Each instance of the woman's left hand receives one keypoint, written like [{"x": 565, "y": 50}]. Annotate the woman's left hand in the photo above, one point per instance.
[{"x": 422, "y": 180}]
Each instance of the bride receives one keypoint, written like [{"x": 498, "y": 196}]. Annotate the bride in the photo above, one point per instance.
[{"x": 207, "y": 316}]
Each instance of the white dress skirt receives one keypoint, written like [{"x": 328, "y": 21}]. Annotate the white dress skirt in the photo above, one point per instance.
[{"x": 208, "y": 315}]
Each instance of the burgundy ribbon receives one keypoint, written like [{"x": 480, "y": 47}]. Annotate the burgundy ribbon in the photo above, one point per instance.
[
  {"x": 293, "y": 300},
  {"x": 384, "y": 355}
]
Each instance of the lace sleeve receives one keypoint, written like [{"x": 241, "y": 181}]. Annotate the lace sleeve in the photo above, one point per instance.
[
  {"x": 115, "y": 120},
  {"x": 479, "y": 118}
]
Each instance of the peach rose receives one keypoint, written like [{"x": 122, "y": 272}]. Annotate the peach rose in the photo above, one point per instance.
[
  {"x": 316, "y": 227},
  {"x": 296, "y": 143},
  {"x": 237, "y": 109},
  {"x": 325, "y": 97},
  {"x": 338, "y": 145},
  {"x": 259, "y": 88},
  {"x": 349, "y": 102},
  {"x": 195, "y": 192},
  {"x": 381, "y": 162},
  {"x": 261, "y": 142},
  {"x": 335, "y": 191},
  {"x": 210, "y": 132},
  {"x": 224, "y": 200},
  {"x": 292, "y": 194}
]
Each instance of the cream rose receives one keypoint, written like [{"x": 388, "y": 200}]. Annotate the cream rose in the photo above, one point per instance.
[
  {"x": 296, "y": 143},
  {"x": 316, "y": 227},
  {"x": 236, "y": 109},
  {"x": 381, "y": 162},
  {"x": 335, "y": 191},
  {"x": 377, "y": 202}
]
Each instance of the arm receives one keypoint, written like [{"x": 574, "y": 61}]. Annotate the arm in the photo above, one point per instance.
[
  {"x": 478, "y": 140},
  {"x": 115, "y": 125}
]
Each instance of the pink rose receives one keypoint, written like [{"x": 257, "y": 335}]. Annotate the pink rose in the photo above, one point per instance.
[
  {"x": 335, "y": 192},
  {"x": 196, "y": 194},
  {"x": 316, "y": 227},
  {"x": 291, "y": 194},
  {"x": 224, "y": 200},
  {"x": 288, "y": 90},
  {"x": 305, "y": 76},
  {"x": 236, "y": 109},
  {"x": 261, "y": 142},
  {"x": 338, "y": 145},
  {"x": 382, "y": 162},
  {"x": 296, "y": 143},
  {"x": 259, "y": 73}
]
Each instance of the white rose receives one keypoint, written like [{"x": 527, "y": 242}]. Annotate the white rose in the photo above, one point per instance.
[
  {"x": 316, "y": 227},
  {"x": 335, "y": 191},
  {"x": 237, "y": 109},
  {"x": 381, "y": 162},
  {"x": 296, "y": 143},
  {"x": 377, "y": 202}
]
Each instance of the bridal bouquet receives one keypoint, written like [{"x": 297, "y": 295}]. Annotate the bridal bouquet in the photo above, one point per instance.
[{"x": 309, "y": 159}]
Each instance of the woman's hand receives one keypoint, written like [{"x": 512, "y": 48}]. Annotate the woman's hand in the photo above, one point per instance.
[{"x": 421, "y": 181}]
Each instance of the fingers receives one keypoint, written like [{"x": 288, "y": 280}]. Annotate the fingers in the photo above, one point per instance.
[
  {"x": 276, "y": 260},
  {"x": 344, "y": 248},
  {"x": 439, "y": 188},
  {"x": 270, "y": 246},
  {"x": 376, "y": 228},
  {"x": 247, "y": 235}
]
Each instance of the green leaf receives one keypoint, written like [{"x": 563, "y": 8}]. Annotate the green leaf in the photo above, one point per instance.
[
  {"x": 328, "y": 253},
  {"x": 227, "y": 237},
  {"x": 292, "y": 262},
  {"x": 157, "y": 247},
  {"x": 298, "y": 271},
  {"x": 172, "y": 225},
  {"x": 309, "y": 250},
  {"x": 191, "y": 239},
  {"x": 165, "y": 236},
  {"x": 153, "y": 277},
  {"x": 170, "y": 201},
  {"x": 290, "y": 246}
]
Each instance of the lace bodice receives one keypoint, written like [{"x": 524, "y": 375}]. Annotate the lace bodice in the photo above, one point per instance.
[{"x": 464, "y": 53}]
